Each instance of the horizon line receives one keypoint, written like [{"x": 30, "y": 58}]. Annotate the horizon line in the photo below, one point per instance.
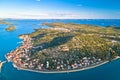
[{"x": 58, "y": 18}]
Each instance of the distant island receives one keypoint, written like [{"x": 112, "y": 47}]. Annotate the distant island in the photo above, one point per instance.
[
  {"x": 10, "y": 28},
  {"x": 4, "y": 22},
  {"x": 66, "y": 48}
]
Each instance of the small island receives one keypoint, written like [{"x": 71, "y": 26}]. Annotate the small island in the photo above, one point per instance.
[
  {"x": 4, "y": 22},
  {"x": 66, "y": 48},
  {"x": 10, "y": 28}
]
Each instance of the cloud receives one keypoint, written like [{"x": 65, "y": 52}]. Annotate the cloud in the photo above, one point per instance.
[{"x": 57, "y": 15}]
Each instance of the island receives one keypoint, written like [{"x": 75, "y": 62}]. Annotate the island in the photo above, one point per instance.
[
  {"x": 66, "y": 48},
  {"x": 10, "y": 28},
  {"x": 4, "y": 22}
]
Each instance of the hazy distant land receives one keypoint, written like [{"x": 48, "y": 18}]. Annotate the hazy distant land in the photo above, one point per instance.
[{"x": 10, "y": 27}]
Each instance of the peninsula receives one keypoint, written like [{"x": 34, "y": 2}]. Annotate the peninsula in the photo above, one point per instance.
[{"x": 66, "y": 48}]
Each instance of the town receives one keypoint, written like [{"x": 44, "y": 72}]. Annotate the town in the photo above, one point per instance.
[{"x": 22, "y": 52}]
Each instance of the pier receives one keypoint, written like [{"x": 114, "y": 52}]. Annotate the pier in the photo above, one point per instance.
[{"x": 1, "y": 64}]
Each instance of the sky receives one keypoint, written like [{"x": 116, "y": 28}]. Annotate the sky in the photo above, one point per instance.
[{"x": 60, "y": 9}]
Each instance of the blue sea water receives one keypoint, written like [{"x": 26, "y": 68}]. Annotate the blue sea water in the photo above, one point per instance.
[{"x": 9, "y": 41}]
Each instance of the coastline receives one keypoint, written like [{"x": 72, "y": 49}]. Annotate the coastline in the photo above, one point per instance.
[{"x": 68, "y": 71}]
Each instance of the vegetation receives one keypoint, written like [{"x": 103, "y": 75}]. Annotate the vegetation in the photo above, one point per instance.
[
  {"x": 66, "y": 47},
  {"x": 10, "y": 28},
  {"x": 74, "y": 40}
]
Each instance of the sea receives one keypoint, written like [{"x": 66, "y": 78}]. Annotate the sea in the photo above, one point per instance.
[{"x": 9, "y": 41}]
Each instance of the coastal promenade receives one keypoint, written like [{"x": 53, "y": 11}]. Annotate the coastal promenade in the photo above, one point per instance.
[{"x": 67, "y": 71}]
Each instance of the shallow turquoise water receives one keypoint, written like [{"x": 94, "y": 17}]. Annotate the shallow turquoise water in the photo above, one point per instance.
[{"x": 8, "y": 42}]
